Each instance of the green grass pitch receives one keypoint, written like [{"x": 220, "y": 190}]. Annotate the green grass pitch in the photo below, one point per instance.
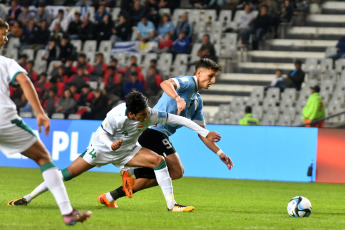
[{"x": 219, "y": 204}]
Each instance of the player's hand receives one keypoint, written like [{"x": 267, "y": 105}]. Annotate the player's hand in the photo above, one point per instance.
[
  {"x": 226, "y": 160},
  {"x": 116, "y": 144},
  {"x": 213, "y": 136},
  {"x": 43, "y": 120},
  {"x": 181, "y": 105}
]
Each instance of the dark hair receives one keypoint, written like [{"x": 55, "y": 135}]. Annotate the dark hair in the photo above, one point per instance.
[
  {"x": 136, "y": 102},
  {"x": 153, "y": 61},
  {"x": 208, "y": 64},
  {"x": 3, "y": 24},
  {"x": 248, "y": 109}
]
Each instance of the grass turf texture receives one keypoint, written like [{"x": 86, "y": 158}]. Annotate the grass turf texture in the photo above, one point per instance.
[{"x": 219, "y": 204}]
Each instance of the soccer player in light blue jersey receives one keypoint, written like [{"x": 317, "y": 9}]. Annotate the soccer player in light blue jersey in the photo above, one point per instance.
[{"x": 181, "y": 96}]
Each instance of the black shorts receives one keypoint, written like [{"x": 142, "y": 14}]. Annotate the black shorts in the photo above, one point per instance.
[{"x": 157, "y": 142}]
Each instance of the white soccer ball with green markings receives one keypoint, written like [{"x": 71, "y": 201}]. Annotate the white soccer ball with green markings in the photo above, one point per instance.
[{"x": 299, "y": 206}]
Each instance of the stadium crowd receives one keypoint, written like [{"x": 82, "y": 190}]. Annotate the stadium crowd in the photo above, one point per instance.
[{"x": 67, "y": 88}]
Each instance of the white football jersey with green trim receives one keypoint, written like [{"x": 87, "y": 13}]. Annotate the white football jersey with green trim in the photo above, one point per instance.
[{"x": 9, "y": 69}]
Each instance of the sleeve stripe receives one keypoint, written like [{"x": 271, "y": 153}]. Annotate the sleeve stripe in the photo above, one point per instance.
[
  {"x": 106, "y": 131},
  {"x": 177, "y": 83},
  {"x": 13, "y": 80}
]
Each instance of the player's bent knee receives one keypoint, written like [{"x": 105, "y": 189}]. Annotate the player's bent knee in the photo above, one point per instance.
[
  {"x": 157, "y": 161},
  {"x": 177, "y": 174}
]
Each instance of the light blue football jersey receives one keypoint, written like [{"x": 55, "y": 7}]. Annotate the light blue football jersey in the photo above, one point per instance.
[{"x": 187, "y": 88}]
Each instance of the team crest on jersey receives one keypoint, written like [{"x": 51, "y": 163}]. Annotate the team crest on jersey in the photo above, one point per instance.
[{"x": 140, "y": 127}]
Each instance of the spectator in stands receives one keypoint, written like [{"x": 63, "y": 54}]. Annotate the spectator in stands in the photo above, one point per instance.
[
  {"x": 152, "y": 11},
  {"x": 31, "y": 72},
  {"x": 42, "y": 15},
  {"x": 68, "y": 67},
  {"x": 146, "y": 30},
  {"x": 133, "y": 84},
  {"x": 126, "y": 8},
  {"x": 110, "y": 77},
  {"x": 314, "y": 109},
  {"x": 66, "y": 104},
  {"x": 61, "y": 19},
  {"x": 203, "y": 4},
  {"x": 74, "y": 27},
  {"x": 99, "y": 68},
  {"x": 52, "y": 52},
  {"x": 207, "y": 49},
  {"x": 101, "y": 12},
  {"x": 134, "y": 69},
  {"x": 340, "y": 49},
  {"x": 248, "y": 118},
  {"x": 286, "y": 11},
  {"x": 23, "y": 60},
  {"x": 184, "y": 25},
  {"x": 260, "y": 27},
  {"x": 137, "y": 12},
  {"x": 43, "y": 35},
  {"x": 86, "y": 96},
  {"x": 103, "y": 29},
  {"x": 57, "y": 85},
  {"x": 165, "y": 44},
  {"x": 25, "y": 16},
  {"x": 29, "y": 34},
  {"x": 66, "y": 49},
  {"x": 153, "y": 63},
  {"x": 74, "y": 90},
  {"x": 82, "y": 63},
  {"x": 229, "y": 5},
  {"x": 272, "y": 7},
  {"x": 277, "y": 82},
  {"x": 16, "y": 30},
  {"x": 42, "y": 84},
  {"x": 122, "y": 31},
  {"x": 81, "y": 77},
  {"x": 50, "y": 103},
  {"x": 84, "y": 3},
  {"x": 181, "y": 44},
  {"x": 13, "y": 12},
  {"x": 152, "y": 83},
  {"x": 98, "y": 107},
  {"x": 295, "y": 78},
  {"x": 87, "y": 30},
  {"x": 166, "y": 26},
  {"x": 133, "y": 60},
  {"x": 243, "y": 20},
  {"x": 57, "y": 33},
  {"x": 171, "y": 4}
]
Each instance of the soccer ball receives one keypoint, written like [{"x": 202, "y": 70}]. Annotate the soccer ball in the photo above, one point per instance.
[{"x": 299, "y": 206}]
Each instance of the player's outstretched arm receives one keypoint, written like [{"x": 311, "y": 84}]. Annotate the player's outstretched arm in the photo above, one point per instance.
[
  {"x": 169, "y": 87},
  {"x": 104, "y": 137},
  {"x": 214, "y": 148},
  {"x": 31, "y": 95}
]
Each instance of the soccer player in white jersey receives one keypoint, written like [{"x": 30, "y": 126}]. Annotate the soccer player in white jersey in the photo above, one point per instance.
[
  {"x": 17, "y": 137},
  {"x": 115, "y": 142},
  {"x": 181, "y": 96}
]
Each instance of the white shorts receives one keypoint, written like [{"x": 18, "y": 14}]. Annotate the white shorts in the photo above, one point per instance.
[
  {"x": 117, "y": 158},
  {"x": 16, "y": 137}
]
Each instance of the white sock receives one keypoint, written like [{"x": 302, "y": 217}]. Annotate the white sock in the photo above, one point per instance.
[
  {"x": 38, "y": 190},
  {"x": 52, "y": 178},
  {"x": 165, "y": 182},
  {"x": 109, "y": 197},
  {"x": 131, "y": 172}
]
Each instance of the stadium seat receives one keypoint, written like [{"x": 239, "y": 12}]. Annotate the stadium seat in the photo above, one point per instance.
[
  {"x": 121, "y": 57},
  {"x": 290, "y": 93},
  {"x": 134, "y": 33},
  {"x": 327, "y": 86},
  {"x": 208, "y": 15},
  {"x": 257, "y": 93},
  {"x": 148, "y": 57},
  {"x": 326, "y": 64},
  {"x": 13, "y": 43},
  {"x": 164, "y": 62},
  {"x": 257, "y": 112},
  {"x": 284, "y": 120},
  {"x": 39, "y": 55},
  {"x": 330, "y": 74},
  {"x": 164, "y": 11},
  {"x": 225, "y": 18},
  {"x": 229, "y": 39},
  {"x": 52, "y": 64},
  {"x": 181, "y": 59},
  {"x": 26, "y": 114},
  {"x": 285, "y": 104},
  {"x": 237, "y": 104},
  {"x": 74, "y": 117},
  {"x": 268, "y": 104},
  {"x": 139, "y": 57},
  {"x": 340, "y": 65},
  {"x": 325, "y": 96},
  {"x": 12, "y": 53},
  {"x": 93, "y": 84},
  {"x": 105, "y": 47},
  {"x": 338, "y": 95},
  {"x": 194, "y": 16},
  {"x": 91, "y": 13},
  {"x": 90, "y": 46},
  {"x": 177, "y": 15},
  {"x": 30, "y": 53},
  {"x": 193, "y": 56},
  {"x": 273, "y": 93},
  {"x": 77, "y": 44},
  {"x": 115, "y": 13},
  {"x": 58, "y": 116},
  {"x": 179, "y": 70},
  {"x": 331, "y": 51},
  {"x": 90, "y": 57},
  {"x": 216, "y": 28},
  {"x": 314, "y": 74},
  {"x": 236, "y": 117},
  {"x": 268, "y": 119},
  {"x": 310, "y": 64},
  {"x": 40, "y": 66}
]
